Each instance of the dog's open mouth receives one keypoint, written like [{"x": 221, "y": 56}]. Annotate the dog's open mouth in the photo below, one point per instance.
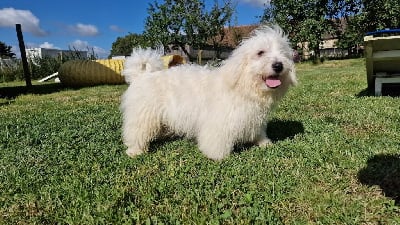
[{"x": 272, "y": 81}]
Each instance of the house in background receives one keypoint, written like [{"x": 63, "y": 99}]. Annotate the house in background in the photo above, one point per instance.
[
  {"x": 329, "y": 49},
  {"x": 34, "y": 53},
  {"x": 234, "y": 35},
  {"x": 226, "y": 43},
  {"x": 219, "y": 47},
  {"x": 329, "y": 45}
]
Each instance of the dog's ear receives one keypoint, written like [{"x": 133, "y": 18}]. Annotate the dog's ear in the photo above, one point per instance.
[
  {"x": 233, "y": 70},
  {"x": 292, "y": 75}
]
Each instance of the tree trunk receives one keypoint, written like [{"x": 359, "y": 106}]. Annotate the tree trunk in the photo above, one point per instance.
[{"x": 182, "y": 46}]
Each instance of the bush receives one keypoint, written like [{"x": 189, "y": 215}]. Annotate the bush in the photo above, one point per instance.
[
  {"x": 38, "y": 67},
  {"x": 12, "y": 70},
  {"x": 41, "y": 67}
]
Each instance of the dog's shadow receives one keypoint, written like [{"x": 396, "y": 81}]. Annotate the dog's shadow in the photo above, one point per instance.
[
  {"x": 383, "y": 170},
  {"x": 392, "y": 90},
  {"x": 277, "y": 130}
]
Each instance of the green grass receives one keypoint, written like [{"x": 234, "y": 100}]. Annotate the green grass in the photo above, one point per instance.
[{"x": 336, "y": 160}]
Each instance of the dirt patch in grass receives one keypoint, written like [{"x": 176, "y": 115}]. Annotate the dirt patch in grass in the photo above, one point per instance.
[{"x": 362, "y": 130}]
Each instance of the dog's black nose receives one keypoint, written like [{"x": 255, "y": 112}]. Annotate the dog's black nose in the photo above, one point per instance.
[{"x": 277, "y": 67}]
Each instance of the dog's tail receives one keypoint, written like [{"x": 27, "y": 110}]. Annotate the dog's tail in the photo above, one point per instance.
[{"x": 142, "y": 61}]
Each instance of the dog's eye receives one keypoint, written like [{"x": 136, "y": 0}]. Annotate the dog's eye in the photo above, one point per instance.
[{"x": 260, "y": 53}]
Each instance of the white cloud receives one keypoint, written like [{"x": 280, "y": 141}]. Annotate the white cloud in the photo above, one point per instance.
[
  {"x": 29, "y": 22},
  {"x": 256, "y": 2},
  {"x": 79, "y": 45},
  {"x": 84, "y": 29},
  {"x": 115, "y": 28},
  {"x": 43, "y": 45},
  {"x": 48, "y": 45},
  {"x": 84, "y": 46}
]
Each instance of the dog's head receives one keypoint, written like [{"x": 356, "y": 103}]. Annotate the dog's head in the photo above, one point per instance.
[{"x": 263, "y": 63}]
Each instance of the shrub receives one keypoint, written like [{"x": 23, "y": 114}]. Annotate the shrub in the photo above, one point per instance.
[
  {"x": 12, "y": 70},
  {"x": 44, "y": 66}
]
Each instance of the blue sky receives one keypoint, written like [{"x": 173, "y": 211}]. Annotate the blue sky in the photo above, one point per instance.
[{"x": 88, "y": 24}]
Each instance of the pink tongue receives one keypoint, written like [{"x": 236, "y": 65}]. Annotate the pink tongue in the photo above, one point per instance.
[{"x": 272, "y": 82}]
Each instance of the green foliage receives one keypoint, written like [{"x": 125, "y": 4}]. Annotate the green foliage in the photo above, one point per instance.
[
  {"x": 44, "y": 66},
  {"x": 347, "y": 20},
  {"x": 335, "y": 160},
  {"x": 350, "y": 37},
  {"x": 305, "y": 21},
  {"x": 380, "y": 14},
  {"x": 182, "y": 23},
  {"x": 214, "y": 22},
  {"x": 123, "y": 45},
  {"x": 5, "y": 51},
  {"x": 12, "y": 70}
]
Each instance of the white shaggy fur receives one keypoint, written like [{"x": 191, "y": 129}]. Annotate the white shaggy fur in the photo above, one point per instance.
[
  {"x": 140, "y": 61},
  {"x": 217, "y": 107}
]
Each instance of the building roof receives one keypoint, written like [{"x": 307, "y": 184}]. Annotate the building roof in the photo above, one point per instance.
[{"x": 234, "y": 35}]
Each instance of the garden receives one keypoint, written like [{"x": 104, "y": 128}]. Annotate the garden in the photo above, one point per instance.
[{"x": 335, "y": 160}]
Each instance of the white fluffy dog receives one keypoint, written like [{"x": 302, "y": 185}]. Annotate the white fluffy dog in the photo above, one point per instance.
[{"x": 218, "y": 107}]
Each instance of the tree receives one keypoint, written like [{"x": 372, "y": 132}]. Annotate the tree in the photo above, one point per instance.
[
  {"x": 351, "y": 36},
  {"x": 380, "y": 14},
  {"x": 362, "y": 16},
  {"x": 5, "y": 51},
  {"x": 345, "y": 18},
  {"x": 124, "y": 45},
  {"x": 303, "y": 20},
  {"x": 185, "y": 22},
  {"x": 214, "y": 22},
  {"x": 311, "y": 21}
]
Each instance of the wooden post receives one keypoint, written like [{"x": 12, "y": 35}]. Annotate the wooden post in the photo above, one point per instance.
[
  {"x": 27, "y": 73},
  {"x": 199, "y": 56}
]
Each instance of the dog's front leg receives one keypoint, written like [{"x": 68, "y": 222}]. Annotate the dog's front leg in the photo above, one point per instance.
[
  {"x": 262, "y": 140},
  {"x": 215, "y": 145},
  {"x": 138, "y": 131}
]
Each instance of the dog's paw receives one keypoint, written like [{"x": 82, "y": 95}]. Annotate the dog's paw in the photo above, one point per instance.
[
  {"x": 133, "y": 152},
  {"x": 216, "y": 157},
  {"x": 264, "y": 142}
]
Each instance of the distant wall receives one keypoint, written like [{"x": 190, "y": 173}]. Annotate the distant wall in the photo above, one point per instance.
[{"x": 33, "y": 53}]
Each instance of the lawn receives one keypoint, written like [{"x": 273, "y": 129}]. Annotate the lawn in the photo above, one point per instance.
[{"x": 335, "y": 160}]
